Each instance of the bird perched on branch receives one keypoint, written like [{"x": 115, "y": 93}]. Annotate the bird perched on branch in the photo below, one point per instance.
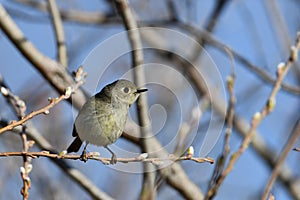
[{"x": 102, "y": 118}]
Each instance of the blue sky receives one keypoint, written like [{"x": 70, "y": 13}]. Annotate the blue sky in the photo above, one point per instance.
[{"x": 245, "y": 26}]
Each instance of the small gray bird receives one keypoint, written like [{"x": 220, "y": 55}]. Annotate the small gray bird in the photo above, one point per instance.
[{"x": 102, "y": 118}]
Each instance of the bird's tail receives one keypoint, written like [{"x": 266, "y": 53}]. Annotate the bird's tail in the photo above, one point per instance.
[{"x": 75, "y": 145}]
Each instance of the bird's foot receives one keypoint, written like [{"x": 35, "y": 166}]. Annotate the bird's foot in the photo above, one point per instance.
[
  {"x": 83, "y": 156},
  {"x": 113, "y": 159}
]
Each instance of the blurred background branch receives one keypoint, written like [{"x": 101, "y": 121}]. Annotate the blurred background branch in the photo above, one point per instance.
[{"x": 245, "y": 28}]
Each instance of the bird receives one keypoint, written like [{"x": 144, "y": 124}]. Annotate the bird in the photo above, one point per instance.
[{"x": 102, "y": 118}]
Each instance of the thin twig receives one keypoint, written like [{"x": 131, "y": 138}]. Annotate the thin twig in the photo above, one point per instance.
[
  {"x": 231, "y": 108},
  {"x": 183, "y": 132},
  {"x": 73, "y": 15},
  {"x": 59, "y": 33},
  {"x": 281, "y": 31},
  {"x": 214, "y": 184},
  {"x": 259, "y": 116},
  {"x": 258, "y": 71},
  {"x": 296, "y": 149},
  {"x": 100, "y": 18},
  {"x": 26, "y": 165},
  {"x": 187, "y": 126},
  {"x": 95, "y": 156},
  {"x": 45, "y": 109},
  {"x": 20, "y": 108},
  {"x": 49, "y": 68},
  {"x": 16, "y": 102},
  {"x": 295, "y": 134},
  {"x": 212, "y": 21},
  {"x": 240, "y": 124},
  {"x": 76, "y": 175}
]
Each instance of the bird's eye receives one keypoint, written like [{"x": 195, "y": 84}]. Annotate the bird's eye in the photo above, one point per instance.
[{"x": 126, "y": 89}]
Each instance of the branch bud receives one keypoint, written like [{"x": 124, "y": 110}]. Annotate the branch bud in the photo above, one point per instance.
[
  {"x": 257, "y": 116},
  {"x": 4, "y": 91},
  {"x": 68, "y": 92},
  {"x": 280, "y": 68},
  {"x": 293, "y": 54},
  {"x": 271, "y": 104},
  {"x": 190, "y": 151}
]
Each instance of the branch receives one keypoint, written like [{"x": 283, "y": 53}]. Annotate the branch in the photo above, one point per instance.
[
  {"x": 187, "y": 126},
  {"x": 296, "y": 149},
  {"x": 59, "y": 33},
  {"x": 259, "y": 116},
  {"x": 27, "y": 166},
  {"x": 212, "y": 21},
  {"x": 240, "y": 124},
  {"x": 18, "y": 104},
  {"x": 280, "y": 28},
  {"x": 44, "y": 110},
  {"x": 52, "y": 71},
  {"x": 278, "y": 166},
  {"x": 214, "y": 184},
  {"x": 78, "y": 16},
  {"x": 70, "y": 171},
  {"x": 53, "y": 102},
  {"x": 204, "y": 35},
  {"x": 100, "y": 18},
  {"x": 95, "y": 156},
  {"x": 20, "y": 108}
]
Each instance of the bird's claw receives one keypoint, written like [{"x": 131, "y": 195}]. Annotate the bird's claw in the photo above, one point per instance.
[
  {"x": 83, "y": 156},
  {"x": 113, "y": 159}
]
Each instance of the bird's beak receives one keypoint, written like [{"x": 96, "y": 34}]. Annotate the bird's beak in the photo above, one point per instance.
[{"x": 141, "y": 91}]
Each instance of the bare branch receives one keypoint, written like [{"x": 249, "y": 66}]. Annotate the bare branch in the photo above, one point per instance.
[
  {"x": 106, "y": 161},
  {"x": 281, "y": 31},
  {"x": 212, "y": 21},
  {"x": 57, "y": 76},
  {"x": 15, "y": 101},
  {"x": 296, "y": 149},
  {"x": 99, "y": 18},
  {"x": 259, "y": 116},
  {"x": 59, "y": 33},
  {"x": 278, "y": 166},
  {"x": 210, "y": 39},
  {"x": 70, "y": 171},
  {"x": 78, "y": 16},
  {"x": 20, "y": 108},
  {"x": 240, "y": 124},
  {"x": 214, "y": 183},
  {"x": 45, "y": 109}
]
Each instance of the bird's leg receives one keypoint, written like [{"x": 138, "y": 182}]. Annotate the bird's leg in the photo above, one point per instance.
[
  {"x": 83, "y": 156},
  {"x": 113, "y": 159}
]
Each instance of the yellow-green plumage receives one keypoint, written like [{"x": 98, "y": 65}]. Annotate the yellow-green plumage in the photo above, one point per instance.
[{"x": 102, "y": 118}]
